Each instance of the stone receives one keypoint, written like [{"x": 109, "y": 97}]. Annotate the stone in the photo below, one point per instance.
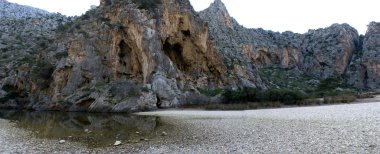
[
  {"x": 164, "y": 134},
  {"x": 166, "y": 91},
  {"x": 62, "y": 141},
  {"x": 117, "y": 143}
]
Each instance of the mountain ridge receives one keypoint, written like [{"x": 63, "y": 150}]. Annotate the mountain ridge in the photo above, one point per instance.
[
  {"x": 128, "y": 56},
  {"x": 16, "y": 11}
]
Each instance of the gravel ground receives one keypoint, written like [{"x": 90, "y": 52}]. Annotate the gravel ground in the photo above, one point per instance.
[
  {"x": 350, "y": 128},
  {"x": 353, "y": 128},
  {"x": 14, "y": 140}
]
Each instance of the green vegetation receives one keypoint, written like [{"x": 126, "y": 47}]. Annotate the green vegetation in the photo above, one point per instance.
[
  {"x": 124, "y": 89},
  {"x": 237, "y": 106},
  {"x": 84, "y": 33},
  {"x": 64, "y": 27},
  {"x": 9, "y": 96},
  {"x": 100, "y": 84},
  {"x": 145, "y": 89},
  {"x": 61, "y": 55},
  {"x": 4, "y": 50},
  {"x": 210, "y": 92},
  {"x": 286, "y": 87},
  {"x": 147, "y": 4},
  {"x": 287, "y": 97},
  {"x": 26, "y": 59},
  {"x": 42, "y": 69},
  {"x": 73, "y": 26},
  {"x": 134, "y": 93},
  {"x": 41, "y": 72},
  {"x": 288, "y": 79},
  {"x": 340, "y": 98},
  {"x": 253, "y": 98},
  {"x": 330, "y": 83},
  {"x": 331, "y": 90}
]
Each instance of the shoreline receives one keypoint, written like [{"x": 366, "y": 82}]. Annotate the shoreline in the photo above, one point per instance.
[
  {"x": 292, "y": 113},
  {"x": 186, "y": 111},
  {"x": 341, "y": 128}
]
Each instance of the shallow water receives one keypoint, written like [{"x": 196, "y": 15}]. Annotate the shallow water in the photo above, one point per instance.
[
  {"x": 345, "y": 128},
  {"x": 93, "y": 130}
]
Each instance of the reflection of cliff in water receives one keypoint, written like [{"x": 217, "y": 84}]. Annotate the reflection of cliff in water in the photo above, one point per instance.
[{"x": 92, "y": 129}]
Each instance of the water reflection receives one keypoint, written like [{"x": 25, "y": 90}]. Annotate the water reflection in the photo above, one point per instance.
[{"x": 95, "y": 130}]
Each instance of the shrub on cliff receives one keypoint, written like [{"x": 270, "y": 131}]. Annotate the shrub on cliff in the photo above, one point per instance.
[
  {"x": 288, "y": 97},
  {"x": 124, "y": 89},
  {"x": 342, "y": 98},
  {"x": 244, "y": 94},
  {"x": 147, "y": 4},
  {"x": 330, "y": 84},
  {"x": 42, "y": 69},
  {"x": 210, "y": 92},
  {"x": 9, "y": 96},
  {"x": 334, "y": 86},
  {"x": 285, "y": 96}
]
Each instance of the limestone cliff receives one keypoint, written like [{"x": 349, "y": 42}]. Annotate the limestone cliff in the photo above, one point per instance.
[
  {"x": 363, "y": 71},
  {"x": 27, "y": 37},
  {"x": 133, "y": 55},
  {"x": 320, "y": 53},
  {"x": 123, "y": 56}
]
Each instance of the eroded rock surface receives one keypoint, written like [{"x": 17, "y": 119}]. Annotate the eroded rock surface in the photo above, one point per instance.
[
  {"x": 127, "y": 56},
  {"x": 320, "y": 53},
  {"x": 124, "y": 56}
]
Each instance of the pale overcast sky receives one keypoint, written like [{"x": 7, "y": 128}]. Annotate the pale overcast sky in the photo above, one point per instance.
[{"x": 277, "y": 15}]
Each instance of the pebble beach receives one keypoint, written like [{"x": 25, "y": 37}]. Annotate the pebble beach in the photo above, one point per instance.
[{"x": 347, "y": 128}]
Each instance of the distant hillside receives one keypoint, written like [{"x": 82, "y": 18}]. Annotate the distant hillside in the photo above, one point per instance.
[
  {"x": 332, "y": 52},
  {"x": 16, "y": 11}
]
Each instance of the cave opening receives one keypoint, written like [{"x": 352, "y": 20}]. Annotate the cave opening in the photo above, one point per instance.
[
  {"x": 366, "y": 78},
  {"x": 85, "y": 103},
  {"x": 125, "y": 50},
  {"x": 174, "y": 52},
  {"x": 323, "y": 64},
  {"x": 158, "y": 104},
  {"x": 125, "y": 54},
  {"x": 186, "y": 33}
]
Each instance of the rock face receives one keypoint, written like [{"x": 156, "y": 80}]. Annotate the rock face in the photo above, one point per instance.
[
  {"x": 335, "y": 51},
  {"x": 124, "y": 56},
  {"x": 363, "y": 71},
  {"x": 17, "y": 12},
  {"x": 27, "y": 37},
  {"x": 319, "y": 53},
  {"x": 135, "y": 57},
  {"x": 127, "y": 56},
  {"x": 370, "y": 59}
]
